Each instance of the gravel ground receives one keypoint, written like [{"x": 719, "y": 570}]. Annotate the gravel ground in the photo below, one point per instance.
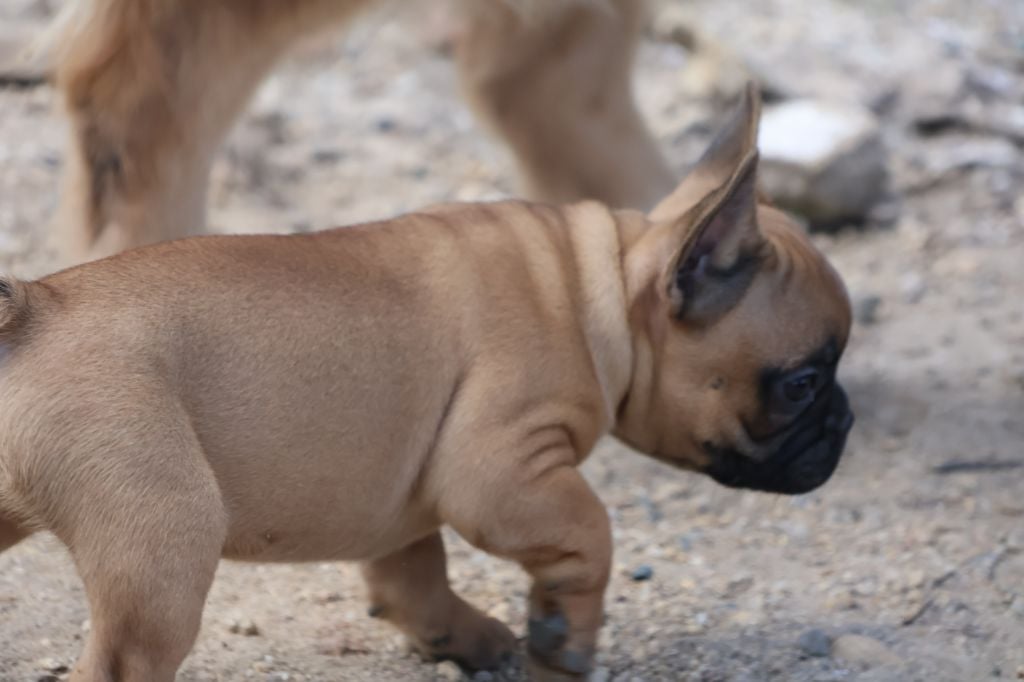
[{"x": 909, "y": 565}]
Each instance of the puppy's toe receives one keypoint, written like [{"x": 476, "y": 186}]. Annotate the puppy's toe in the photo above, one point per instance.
[
  {"x": 488, "y": 648},
  {"x": 478, "y": 643}
]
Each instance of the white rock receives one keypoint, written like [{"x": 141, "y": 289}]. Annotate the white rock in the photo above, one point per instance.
[
  {"x": 862, "y": 651},
  {"x": 447, "y": 670},
  {"x": 823, "y": 160}
]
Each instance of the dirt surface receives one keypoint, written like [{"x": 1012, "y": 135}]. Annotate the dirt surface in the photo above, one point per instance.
[{"x": 917, "y": 543}]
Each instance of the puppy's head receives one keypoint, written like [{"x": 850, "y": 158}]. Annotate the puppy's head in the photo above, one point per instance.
[{"x": 739, "y": 323}]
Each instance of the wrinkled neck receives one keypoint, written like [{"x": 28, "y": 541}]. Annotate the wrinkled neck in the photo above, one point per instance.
[{"x": 599, "y": 238}]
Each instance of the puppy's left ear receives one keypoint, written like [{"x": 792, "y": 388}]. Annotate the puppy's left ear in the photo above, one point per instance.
[{"x": 718, "y": 241}]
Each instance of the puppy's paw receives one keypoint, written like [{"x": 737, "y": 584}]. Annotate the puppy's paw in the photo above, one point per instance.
[
  {"x": 475, "y": 642},
  {"x": 551, "y": 656}
]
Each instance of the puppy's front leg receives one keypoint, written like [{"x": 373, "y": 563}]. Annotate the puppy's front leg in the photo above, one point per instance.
[
  {"x": 410, "y": 589},
  {"x": 546, "y": 517}
]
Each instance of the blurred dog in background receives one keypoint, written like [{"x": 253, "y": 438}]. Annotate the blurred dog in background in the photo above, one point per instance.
[{"x": 153, "y": 86}]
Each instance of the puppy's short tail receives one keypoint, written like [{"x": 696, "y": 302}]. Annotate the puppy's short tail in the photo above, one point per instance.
[{"x": 14, "y": 306}]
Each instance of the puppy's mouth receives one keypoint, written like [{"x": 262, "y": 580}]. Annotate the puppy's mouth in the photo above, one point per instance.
[{"x": 801, "y": 458}]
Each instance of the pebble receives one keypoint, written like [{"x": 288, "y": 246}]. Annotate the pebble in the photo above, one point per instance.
[
  {"x": 865, "y": 308},
  {"x": 1017, "y": 607},
  {"x": 327, "y": 598},
  {"x": 823, "y": 160},
  {"x": 483, "y": 676},
  {"x": 862, "y": 651},
  {"x": 913, "y": 287},
  {"x": 916, "y": 578},
  {"x": 815, "y": 643},
  {"x": 52, "y": 665},
  {"x": 642, "y": 573},
  {"x": 384, "y": 125},
  {"x": 328, "y": 155},
  {"x": 840, "y": 599},
  {"x": 447, "y": 670},
  {"x": 245, "y": 627},
  {"x": 600, "y": 674},
  {"x": 500, "y": 611}
]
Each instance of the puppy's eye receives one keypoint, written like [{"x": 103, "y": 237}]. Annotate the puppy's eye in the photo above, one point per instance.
[{"x": 799, "y": 388}]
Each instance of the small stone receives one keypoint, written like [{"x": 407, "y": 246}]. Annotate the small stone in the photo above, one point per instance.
[
  {"x": 52, "y": 665},
  {"x": 327, "y": 598},
  {"x": 483, "y": 676},
  {"x": 19, "y": 64},
  {"x": 1016, "y": 378},
  {"x": 642, "y": 573},
  {"x": 696, "y": 625},
  {"x": 1020, "y": 672},
  {"x": 262, "y": 666},
  {"x": 500, "y": 611},
  {"x": 862, "y": 651},
  {"x": 328, "y": 155},
  {"x": 743, "y": 618},
  {"x": 913, "y": 287},
  {"x": 916, "y": 579},
  {"x": 840, "y": 599},
  {"x": 245, "y": 627},
  {"x": 822, "y": 160},
  {"x": 447, "y": 670},
  {"x": 865, "y": 308},
  {"x": 600, "y": 674},
  {"x": 815, "y": 643}
]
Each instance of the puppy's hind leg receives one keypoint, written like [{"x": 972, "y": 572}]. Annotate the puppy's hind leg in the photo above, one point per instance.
[
  {"x": 410, "y": 589},
  {"x": 146, "y": 526}
]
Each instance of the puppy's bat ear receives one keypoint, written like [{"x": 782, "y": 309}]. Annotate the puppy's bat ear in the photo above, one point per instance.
[
  {"x": 718, "y": 241},
  {"x": 734, "y": 142}
]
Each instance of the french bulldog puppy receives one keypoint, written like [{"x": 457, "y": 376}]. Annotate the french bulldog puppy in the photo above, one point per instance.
[{"x": 343, "y": 395}]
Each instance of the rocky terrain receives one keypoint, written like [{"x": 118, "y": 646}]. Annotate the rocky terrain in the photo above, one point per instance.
[{"x": 908, "y": 565}]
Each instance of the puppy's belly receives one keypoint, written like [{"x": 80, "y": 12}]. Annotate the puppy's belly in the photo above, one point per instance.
[{"x": 341, "y": 534}]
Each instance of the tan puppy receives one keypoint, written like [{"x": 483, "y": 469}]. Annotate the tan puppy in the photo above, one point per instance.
[
  {"x": 343, "y": 395},
  {"x": 152, "y": 86}
]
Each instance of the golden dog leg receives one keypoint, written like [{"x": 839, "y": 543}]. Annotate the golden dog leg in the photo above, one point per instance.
[
  {"x": 557, "y": 529},
  {"x": 151, "y": 87},
  {"x": 555, "y": 84},
  {"x": 410, "y": 589}
]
